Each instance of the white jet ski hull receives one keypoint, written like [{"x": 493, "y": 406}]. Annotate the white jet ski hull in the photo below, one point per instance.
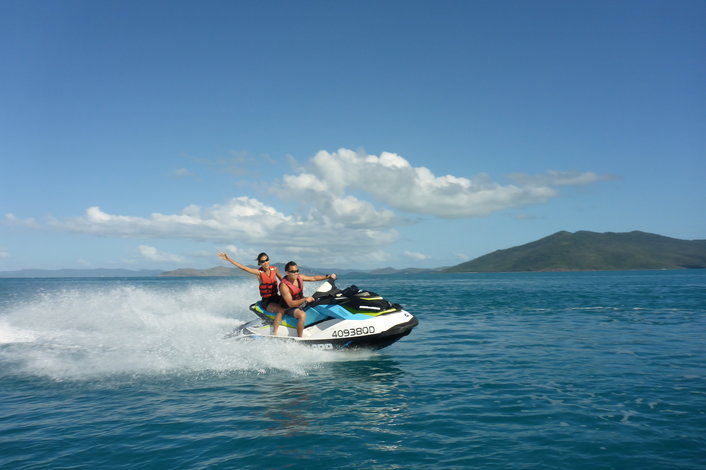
[{"x": 336, "y": 333}]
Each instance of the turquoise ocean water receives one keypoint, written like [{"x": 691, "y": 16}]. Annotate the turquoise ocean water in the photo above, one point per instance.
[{"x": 522, "y": 371}]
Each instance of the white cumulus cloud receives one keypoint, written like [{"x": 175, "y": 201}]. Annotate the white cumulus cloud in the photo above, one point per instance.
[
  {"x": 559, "y": 178},
  {"x": 391, "y": 180},
  {"x": 153, "y": 254},
  {"x": 416, "y": 255},
  {"x": 243, "y": 220},
  {"x": 181, "y": 172},
  {"x": 350, "y": 204},
  {"x": 12, "y": 219}
]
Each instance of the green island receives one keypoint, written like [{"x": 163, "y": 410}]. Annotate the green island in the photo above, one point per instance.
[{"x": 592, "y": 251}]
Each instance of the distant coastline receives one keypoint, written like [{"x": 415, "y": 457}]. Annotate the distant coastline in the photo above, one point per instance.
[
  {"x": 99, "y": 272},
  {"x": 217, "y": 271},
  {"x": 562, "y": 251}
]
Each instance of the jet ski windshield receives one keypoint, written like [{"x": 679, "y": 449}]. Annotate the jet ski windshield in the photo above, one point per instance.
[{"x": 326, "y": 290}]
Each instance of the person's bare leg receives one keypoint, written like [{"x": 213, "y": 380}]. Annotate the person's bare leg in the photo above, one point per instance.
[
  {"x": 278, "y": 320},
  {"x": 301, "y": 316},
  {"x": 278, "y": 311}
]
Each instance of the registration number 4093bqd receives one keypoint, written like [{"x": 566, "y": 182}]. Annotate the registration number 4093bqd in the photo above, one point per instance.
[{"x": 346, "y": 332}]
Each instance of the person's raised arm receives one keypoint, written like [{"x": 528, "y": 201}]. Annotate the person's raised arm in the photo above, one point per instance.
[
  {"x": 225, "y": 257},
  {"x": 318, "y": 278},
  {"x": 279, "y": 276}
]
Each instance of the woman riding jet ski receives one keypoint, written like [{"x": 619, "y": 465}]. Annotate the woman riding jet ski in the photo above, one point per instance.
[{"x": 338, "y": 319}]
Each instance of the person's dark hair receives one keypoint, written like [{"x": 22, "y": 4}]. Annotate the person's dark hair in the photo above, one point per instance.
[
  {"x": 289, "y": 265},
  {"x": 261, "y": 255}
]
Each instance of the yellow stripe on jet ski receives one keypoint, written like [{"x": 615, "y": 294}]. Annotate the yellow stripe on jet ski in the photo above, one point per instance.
[{"x": 373, "y": 314}]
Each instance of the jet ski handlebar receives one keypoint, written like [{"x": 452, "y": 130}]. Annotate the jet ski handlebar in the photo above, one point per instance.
[
  {"x": 329, "y": 293},
  {"x": 326, "y": 291}
]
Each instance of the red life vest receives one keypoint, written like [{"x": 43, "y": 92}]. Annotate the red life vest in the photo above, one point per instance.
[
  {"x": 298, "y": 290},
  {"x": 268, "y": 283}
]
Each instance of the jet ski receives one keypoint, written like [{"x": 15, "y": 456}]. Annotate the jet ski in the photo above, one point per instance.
[{"x": 350, "y": 318}]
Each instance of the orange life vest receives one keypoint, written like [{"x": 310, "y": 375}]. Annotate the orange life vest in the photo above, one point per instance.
[
  {"x": 298, "y": 290},
  {"x": 268, "y": 283}
]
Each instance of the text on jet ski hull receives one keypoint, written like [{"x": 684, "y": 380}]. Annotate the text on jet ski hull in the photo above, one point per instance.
[{"x": 365, "y": 330}]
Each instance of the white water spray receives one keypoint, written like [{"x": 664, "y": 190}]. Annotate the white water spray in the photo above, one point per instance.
[{"x": 90, "y": 331}]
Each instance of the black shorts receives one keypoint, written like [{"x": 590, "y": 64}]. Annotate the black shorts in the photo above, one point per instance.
[
  {"x": 290, "y": 310},
  {"x": 268, "y": 300}
]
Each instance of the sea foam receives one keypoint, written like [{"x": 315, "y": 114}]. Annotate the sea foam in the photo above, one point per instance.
[{"x": 127, "y": 329}]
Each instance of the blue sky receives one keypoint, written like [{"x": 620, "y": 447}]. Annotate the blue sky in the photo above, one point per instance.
[{"x": 346, "y": 133}]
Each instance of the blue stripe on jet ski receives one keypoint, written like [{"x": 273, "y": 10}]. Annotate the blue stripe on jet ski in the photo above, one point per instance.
[{"x": 315, "y": 314}]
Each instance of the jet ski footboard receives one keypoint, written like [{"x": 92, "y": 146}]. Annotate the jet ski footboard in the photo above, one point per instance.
[{"x": 312, "y": 316}]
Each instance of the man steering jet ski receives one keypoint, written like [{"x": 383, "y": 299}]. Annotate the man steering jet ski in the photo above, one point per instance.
[{"x": 337, "y": 319}]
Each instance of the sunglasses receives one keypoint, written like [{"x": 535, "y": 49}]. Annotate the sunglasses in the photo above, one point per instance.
[
  {"x": 261, "y": 261},
  {"x": 293, "y": 272}
]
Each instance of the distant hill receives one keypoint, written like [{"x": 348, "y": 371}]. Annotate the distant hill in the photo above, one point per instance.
[
  {"x": 591, "y": 251},
  {"x": 33, "y": 273},
  {"x": 224, "y": 271},
  {"x": 562, "y": 251},
  {"x": 401, "y": 271},
  {"x": 214, "y": 272}
]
